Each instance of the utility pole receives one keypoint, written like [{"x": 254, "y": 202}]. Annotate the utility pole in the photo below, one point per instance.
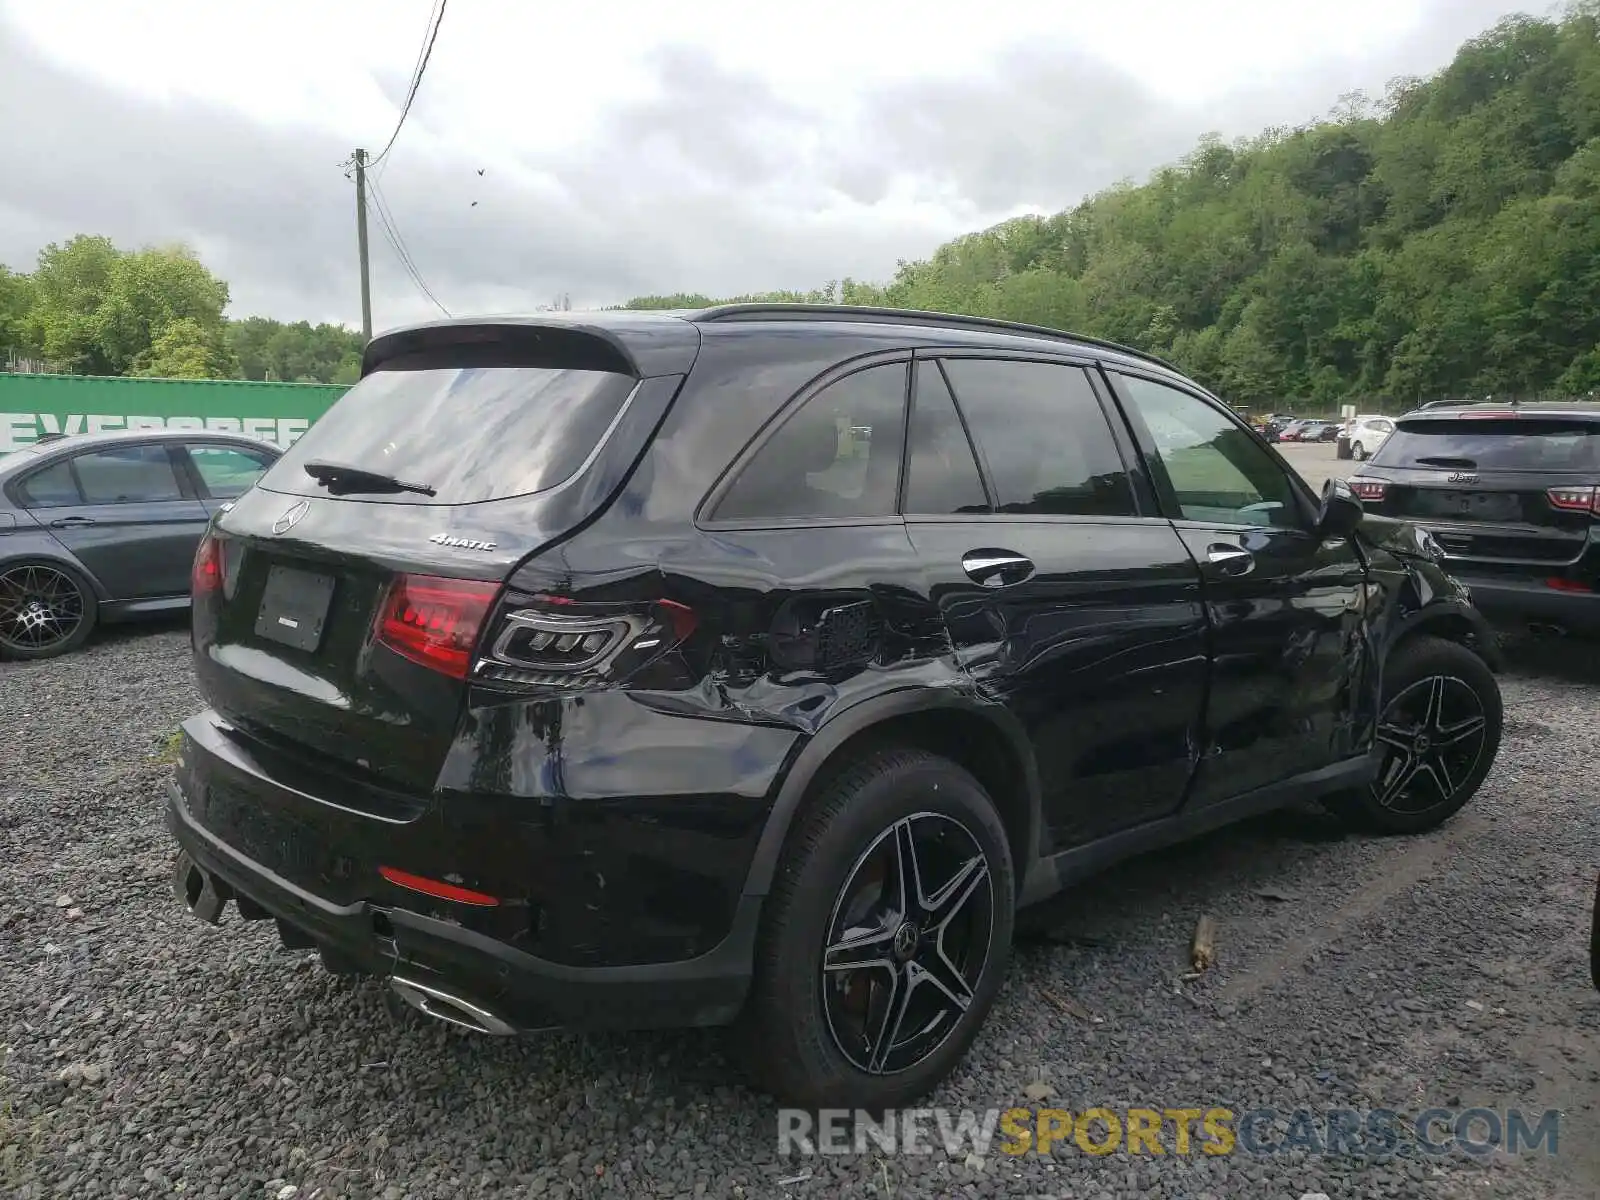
[{"x": 361, "y": 243}]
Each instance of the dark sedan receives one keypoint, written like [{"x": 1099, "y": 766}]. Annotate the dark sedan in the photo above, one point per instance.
[{"x": 103, "y": 527}]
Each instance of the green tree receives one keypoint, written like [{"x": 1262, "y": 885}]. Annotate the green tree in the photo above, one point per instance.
[
  {"x": 187, "y": 349},
  {"x": 96, "y": 310},
  {"x": 16, "y": 297}
]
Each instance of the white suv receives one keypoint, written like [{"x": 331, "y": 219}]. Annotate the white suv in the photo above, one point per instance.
[{"x": 1367, "y": 434}]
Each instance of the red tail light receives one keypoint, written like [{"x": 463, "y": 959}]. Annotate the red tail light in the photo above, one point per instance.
[
  {"x": 1575, "y": 499},
  {"x": 1566, "y": 585},
  {"x": 435, "y": 622},
  {"x": 1368, "y": 489},
  {"x": 433, "y": 887},
  {"x": 205, "y": 577},
  {"x": 555, "y": 641}
]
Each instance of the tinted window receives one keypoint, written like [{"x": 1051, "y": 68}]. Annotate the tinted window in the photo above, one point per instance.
[
  {"x": 837, "y": 456},
  {"x": 127, "y": 475},
  {"x": 227, "y": 472},
  {"x": 1043, "y": 436},
  {"x": 471, "y": 434},
  {"x": 1218, "y": 472},
  {"x": 1477, "y": 444},
  {"x": 52, "y": 487},
  {"x": 941, "y": 475}
]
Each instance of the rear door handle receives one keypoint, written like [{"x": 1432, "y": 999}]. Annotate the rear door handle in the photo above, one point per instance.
[
  {"x": 71, "y": 522},
  {"x": 996, "y": 568},
  {"x": 1231, "y": 561}
]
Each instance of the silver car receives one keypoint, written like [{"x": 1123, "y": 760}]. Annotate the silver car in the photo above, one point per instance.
[{"x": 103, "y": 527}]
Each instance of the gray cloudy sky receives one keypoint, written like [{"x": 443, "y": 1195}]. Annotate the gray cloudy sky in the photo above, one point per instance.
[{"x": 632, "y": 146}]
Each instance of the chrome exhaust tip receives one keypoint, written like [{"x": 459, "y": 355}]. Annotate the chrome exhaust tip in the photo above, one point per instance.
[
  {"x": 452, "y": 1010},
  {"x": 203, "y": 894}
]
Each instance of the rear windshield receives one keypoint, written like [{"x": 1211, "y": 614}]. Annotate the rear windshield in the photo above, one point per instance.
[
  {"x": 470, "y": 434},
  {"x": 1514, "y": 444}
]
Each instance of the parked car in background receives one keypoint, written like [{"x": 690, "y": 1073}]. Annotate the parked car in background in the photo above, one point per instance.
[
  {"x": 1367, "y": 434},
  {"x": 1512, "y": 497},
  {"x": 716, "y": 711},
  {"x": 103, "y": 527},
  {"x": 1291, "y": 432}
]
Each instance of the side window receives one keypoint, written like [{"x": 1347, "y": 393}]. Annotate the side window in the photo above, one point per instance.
[
  {"x": 941, "y": 474},
  {"x": 226, "y": 471},
  {"x": 1044, "y": 437},
  {"x": 1217, "y": 471},
  {"x": 837, "y": 456},
  {"x": 53, "y": 487},
  {"x": 127, "y": 475}
]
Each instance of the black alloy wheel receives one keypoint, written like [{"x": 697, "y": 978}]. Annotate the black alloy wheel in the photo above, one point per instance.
[
  {"x": 908, "y": 941},
  {"x": 1434, "y": 733},
  {"x": 1437, "y": 736},
  {"x": 884, "y": 938},
  {"x": 45, "y": 610}
]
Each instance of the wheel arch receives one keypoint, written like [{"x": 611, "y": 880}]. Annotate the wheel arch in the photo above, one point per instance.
[
  {"x": 982, "y": 738},
  {"x": 54, "y": 556},
  {"x": 1454, "y": 621}
]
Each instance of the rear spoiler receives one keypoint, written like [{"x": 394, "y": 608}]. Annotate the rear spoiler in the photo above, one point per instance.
[{"x": 642, "y": 349}]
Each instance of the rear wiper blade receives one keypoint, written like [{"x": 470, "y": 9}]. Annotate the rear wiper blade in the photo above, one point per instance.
[
  {"x": 1445, "y": 461},
  {"x": 342, "y": 478}
]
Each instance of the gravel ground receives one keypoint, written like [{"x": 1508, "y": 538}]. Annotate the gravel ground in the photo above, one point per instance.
[{"x": 142, "y": 1054}]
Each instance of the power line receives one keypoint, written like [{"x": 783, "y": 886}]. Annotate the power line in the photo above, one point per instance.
[
  {"x": 391, "y": 232},
  {"x": 416, "y": 82}
]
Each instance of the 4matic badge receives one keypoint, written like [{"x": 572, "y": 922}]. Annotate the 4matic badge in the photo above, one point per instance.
[{"x": 444, "y": 539}]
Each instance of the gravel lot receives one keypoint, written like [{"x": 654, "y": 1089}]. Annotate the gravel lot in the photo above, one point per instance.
[{"x": 142, "y": 1054}]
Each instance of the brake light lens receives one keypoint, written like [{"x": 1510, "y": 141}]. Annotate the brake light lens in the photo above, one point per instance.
[
  {"x": 1575, "y": 499},
  {"x": 1555, "y": 583},
  {"x": 205, "y": 576},
  {"x": 435, "y": 622},
  {"x": 555, "y": 641},
  {"x": 434, "y": 887},
  {"x": 1368, "y": 489}
]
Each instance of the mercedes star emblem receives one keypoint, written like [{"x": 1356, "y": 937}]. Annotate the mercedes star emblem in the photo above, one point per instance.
[{"x": 291, "y": 518}]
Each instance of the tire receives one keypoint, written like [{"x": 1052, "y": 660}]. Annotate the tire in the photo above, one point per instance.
[
  {"x": 1594, "y": 940},
  {"x": 814, "y": 1037},
  {"x": 1432, "y": 690},
  {"x": 1358, "y": 452},
  {"x": 32, "y": 587}
]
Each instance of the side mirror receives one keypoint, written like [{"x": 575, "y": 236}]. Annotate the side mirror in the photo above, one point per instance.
[{"x": 1341, "y": 510}]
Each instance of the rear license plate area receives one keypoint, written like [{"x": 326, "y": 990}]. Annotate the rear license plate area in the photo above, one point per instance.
[
  {"x": 294, "y": 607},
  {"x": 1468, "y": 506}
]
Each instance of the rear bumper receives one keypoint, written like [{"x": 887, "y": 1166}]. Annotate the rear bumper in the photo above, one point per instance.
[
  {"x": 1504, "y": 599},
  {"x": 525, "y": 991},
  {"x": 313, "y": 864}
]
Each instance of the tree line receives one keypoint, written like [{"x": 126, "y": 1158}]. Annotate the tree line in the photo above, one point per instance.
[
  {"x": 90, "y": 308},
  {"x": 1440, "y": 241}
]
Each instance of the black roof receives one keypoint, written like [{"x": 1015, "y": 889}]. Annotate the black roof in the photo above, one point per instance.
[
  {"x": 1584, "y": 408},
  {"x": 664, "y": 341}
]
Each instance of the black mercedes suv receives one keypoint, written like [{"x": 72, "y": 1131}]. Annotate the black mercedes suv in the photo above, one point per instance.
[
  {"x": 754, "y": 665},
  {"x": 1511, "y": 495}
]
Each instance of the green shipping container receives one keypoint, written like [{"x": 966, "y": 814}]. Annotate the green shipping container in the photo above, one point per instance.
[{"x": 34, "y": 405}]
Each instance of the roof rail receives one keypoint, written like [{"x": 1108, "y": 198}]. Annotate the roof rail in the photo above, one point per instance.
[{"x": 910, "y": 316}]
